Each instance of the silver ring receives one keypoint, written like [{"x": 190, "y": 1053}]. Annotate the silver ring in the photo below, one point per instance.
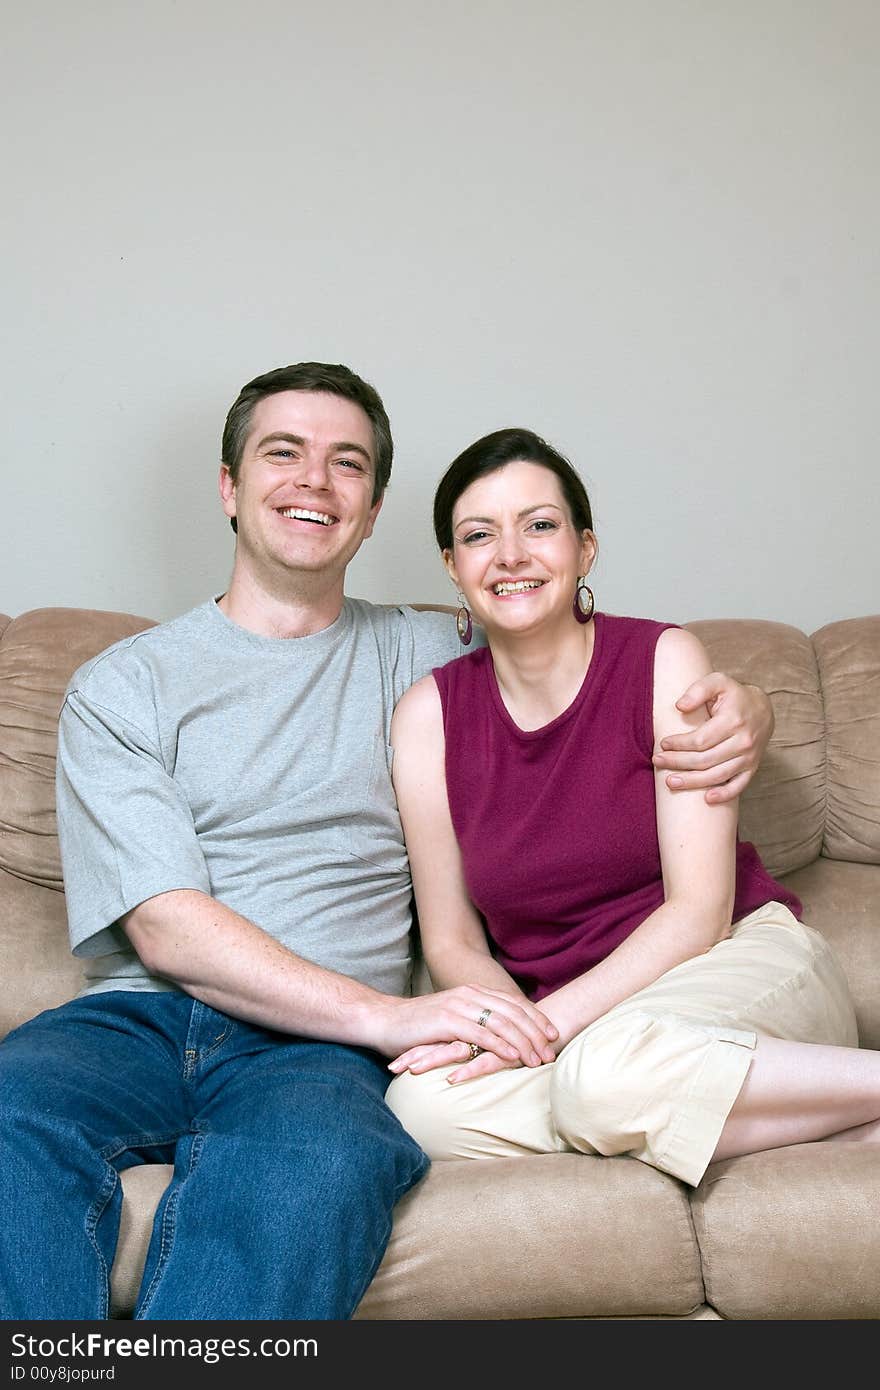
[
  {"x": 474, "y": 1051},
  {"x": 484, "y": 1018}
]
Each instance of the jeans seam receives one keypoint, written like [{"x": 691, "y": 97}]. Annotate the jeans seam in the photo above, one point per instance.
[
  {"x": 407, "y": 1184},
  {"x": 168, "y": 1223},
  {"x": 95, "y": 1212},
  {"x": 218, "y": 1042},
  {"x": 138, "y": 1140}
]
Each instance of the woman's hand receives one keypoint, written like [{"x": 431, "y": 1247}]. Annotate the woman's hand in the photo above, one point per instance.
[
  {"x": 422, "y": 1059},
  {"x": 724, "y": 752}
]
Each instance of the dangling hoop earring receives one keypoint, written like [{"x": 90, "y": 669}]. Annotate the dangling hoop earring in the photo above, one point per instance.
[
  {"x": 464, "y": 622},
  {"x": 583, "y": 601}
]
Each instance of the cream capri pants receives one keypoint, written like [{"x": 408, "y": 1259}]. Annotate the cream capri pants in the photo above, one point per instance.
[{"x": 657, "y": 1076}]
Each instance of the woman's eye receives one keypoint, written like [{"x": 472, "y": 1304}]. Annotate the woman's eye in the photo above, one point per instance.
[
  {"x": 542, "y": 525},
  {"x": 473, "y": 537}
]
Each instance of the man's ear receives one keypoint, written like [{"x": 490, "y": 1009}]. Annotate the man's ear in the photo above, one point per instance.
[
  {"x": 371, "y": 519},
  {"x": 589, "y": 551},
  {"x": 227, "y": 490}
]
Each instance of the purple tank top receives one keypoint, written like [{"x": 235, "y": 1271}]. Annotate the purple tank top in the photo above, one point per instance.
[{"x": 557, "y": 826}]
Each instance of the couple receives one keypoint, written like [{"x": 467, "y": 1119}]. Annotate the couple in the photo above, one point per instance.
[{"x": 238, "y": 887}]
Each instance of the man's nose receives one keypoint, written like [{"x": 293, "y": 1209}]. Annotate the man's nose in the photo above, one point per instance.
[{"x": 312, "y": 470}]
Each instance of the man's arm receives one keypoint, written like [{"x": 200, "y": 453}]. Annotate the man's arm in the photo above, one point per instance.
[
  {"x": 723, "y": 754},
  {"x": 134, "y": 866},
  {"x": 228, "y": 962}
]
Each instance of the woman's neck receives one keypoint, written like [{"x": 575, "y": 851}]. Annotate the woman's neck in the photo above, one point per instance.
[{"x": 540, "y": 674}]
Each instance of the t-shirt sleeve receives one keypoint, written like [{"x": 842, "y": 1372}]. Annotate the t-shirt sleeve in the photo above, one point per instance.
[
  {"x": 434, "y": 641},
  {"x": 125, "y": 830}
]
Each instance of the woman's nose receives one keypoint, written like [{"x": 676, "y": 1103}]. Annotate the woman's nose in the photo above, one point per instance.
[{"x": 512, "y": 549}]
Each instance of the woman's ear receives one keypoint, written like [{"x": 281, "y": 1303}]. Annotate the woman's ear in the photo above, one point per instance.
[
  {"x": 589, "y": 551},
  {"x": 450, "y": 567}
]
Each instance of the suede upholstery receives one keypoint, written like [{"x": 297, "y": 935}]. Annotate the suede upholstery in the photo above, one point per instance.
[{"x": 791, "y": 1234}]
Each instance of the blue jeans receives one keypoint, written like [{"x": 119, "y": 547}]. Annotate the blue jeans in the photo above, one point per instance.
[{"x": 287, "y": 1162}]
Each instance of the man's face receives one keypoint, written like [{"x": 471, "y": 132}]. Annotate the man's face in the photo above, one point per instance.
[{"x": 303, "y": 499}]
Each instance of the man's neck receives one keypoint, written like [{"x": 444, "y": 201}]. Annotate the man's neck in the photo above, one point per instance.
[{"x": 297, "y": 613}]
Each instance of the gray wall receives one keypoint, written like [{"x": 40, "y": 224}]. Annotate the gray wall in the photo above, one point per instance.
[{"x": 647, "y": 229}]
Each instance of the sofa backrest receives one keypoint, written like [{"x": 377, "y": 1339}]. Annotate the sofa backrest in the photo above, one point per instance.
[
  {"x": 818, "y": 788},
  {"x": 39, "y": 652},
  {"x": 818, "y": 791}
]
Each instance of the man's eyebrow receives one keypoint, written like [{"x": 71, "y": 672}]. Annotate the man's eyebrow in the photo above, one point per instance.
[
  {"x": 280, "y": 437},
  {"x": 526, "y": 511},
  {"x": 349, "y": 447},
  {"x": 343, "y": 446}
]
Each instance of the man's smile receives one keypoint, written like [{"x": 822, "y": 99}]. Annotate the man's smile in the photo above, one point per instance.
[{"x": 303, "y": 514}]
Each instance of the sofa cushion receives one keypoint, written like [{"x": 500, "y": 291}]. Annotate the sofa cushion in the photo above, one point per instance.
[
  {"x": 792, "y": 1233},
  {"x": 843, "y": 902},
  {"x": 849, "y": 668},
  {"x": 556, "y": 1235},
  {"x": 783, "y": 809},
  {"x": 142, "y": 1188},
  {"x": 35, "y": 956},
  {"x": 38, "y": 654}
]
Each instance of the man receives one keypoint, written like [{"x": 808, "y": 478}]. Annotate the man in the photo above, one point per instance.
[{"x": 237, "y": 884}]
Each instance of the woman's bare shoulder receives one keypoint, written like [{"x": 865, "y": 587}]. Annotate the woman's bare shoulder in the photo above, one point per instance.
[{"x": 418, "y": 711}]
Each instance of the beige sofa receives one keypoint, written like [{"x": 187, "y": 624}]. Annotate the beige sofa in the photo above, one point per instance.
[{"x": 792, "y": 1233}]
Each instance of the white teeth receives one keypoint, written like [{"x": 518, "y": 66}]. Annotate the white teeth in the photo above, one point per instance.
[
  {"x": 509, "y": 587},
  {"x": 300, "y": 514}
]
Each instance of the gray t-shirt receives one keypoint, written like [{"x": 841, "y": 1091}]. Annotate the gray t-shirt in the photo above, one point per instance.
[{"x": 199, "y": 755}]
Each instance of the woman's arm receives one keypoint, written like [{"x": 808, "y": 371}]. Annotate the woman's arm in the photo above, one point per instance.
[
  {"x": 453, "y": 940},
  {"x": 697, "y": 852}
]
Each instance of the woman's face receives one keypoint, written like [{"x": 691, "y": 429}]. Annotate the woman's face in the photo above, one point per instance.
[{"x": 516, "y": 554}]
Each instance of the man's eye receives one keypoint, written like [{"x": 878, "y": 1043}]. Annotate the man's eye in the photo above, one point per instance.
[
  {"x": 283, "y": 454},
  {"x": 351, "y": 463}
]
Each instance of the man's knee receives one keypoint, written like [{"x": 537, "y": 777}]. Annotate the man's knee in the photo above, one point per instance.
[{"x": 362, "y": 1173}]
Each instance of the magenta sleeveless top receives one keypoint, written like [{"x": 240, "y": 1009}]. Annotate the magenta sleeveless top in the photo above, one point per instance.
[{"x": 557, "y": 826}]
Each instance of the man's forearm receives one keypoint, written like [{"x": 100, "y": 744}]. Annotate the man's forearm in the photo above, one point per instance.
[{"x": 228, "y": 962}]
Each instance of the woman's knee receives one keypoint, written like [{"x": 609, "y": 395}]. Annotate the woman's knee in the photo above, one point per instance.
[
  {"x": 427, "y": 1108},
  {"x": 602, "y": 1083}
]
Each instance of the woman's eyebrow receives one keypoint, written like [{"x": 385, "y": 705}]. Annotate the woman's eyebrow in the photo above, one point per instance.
[{"x": 526, "y": 511}]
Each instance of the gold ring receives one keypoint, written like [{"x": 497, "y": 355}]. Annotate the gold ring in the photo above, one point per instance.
[
  {"x": 474, "y": 1051},
  {"x": 484, "y": 1018}
]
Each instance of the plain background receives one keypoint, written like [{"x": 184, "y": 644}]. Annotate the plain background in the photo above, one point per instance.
[{"x": 647, "y": 229}]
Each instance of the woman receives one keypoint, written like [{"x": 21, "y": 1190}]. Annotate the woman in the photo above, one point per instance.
[{"x": 697, "y": 1016}]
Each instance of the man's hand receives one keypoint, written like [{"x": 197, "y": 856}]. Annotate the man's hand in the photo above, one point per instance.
[
  {"x": 723, "y": 753},
  {"x": 514, "y": 1031}
]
